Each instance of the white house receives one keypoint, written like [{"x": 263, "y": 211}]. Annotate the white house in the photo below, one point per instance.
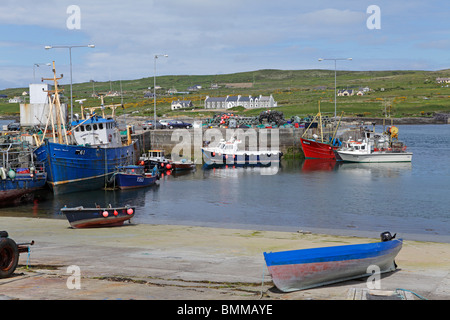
[
  {"x": 443, "y": 80},
  {"x": 248, "y": 102},
  {"x": 15, "y": 100},
  {"x": 181, "y": 104},
  {"x": 345, "y": 92}
]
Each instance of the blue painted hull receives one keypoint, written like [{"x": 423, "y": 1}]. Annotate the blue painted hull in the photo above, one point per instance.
[
  {"x": 130, "y": 181},
  {"x": 23, "y": 185},
  {"x": 308, "y": 268},
  {"x": 72, "y": 168}
]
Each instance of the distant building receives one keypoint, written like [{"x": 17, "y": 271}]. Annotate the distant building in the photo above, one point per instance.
[
  {"x": 37, "y": 111},
  {"x": 248, "y": 102},
  {"x": 15, "y": 100},
  {"x": 182, "y": 104},
  {"x": 194, "y": 88},
  {"x": 172, "y": 91},
  {"x": 345, "y": 92},
  {"x": 443, "y": 80}
]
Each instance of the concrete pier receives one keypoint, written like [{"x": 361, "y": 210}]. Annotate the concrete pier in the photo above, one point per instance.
[{"x": 148, "y": 262}]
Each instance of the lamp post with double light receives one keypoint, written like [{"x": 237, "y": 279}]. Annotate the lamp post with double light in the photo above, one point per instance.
[
  {"x": 335, "y": 89},
  {"x": 70, "y": 60},
  {"x": 154, "y": 88}
]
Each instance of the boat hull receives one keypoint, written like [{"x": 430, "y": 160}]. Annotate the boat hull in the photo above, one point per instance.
[
  {"x": 241, "y": 158},
  {"x": 73, "y": 168},
  {"x": 131, "y": 181},
  {"x": 178, "y": 166},
  {"x": 21, "y": 188},
  {"x": 80, "y": 217},
  {"x": 375, "y": 157},
  {"x": 309, "y": 268},
  {"x": 317, "y": 150}
]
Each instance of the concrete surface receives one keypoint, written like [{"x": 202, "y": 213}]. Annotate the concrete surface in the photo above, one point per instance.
[{"x": 146, "y": 262}]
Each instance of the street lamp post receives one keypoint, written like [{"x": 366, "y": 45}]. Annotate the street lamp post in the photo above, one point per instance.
[
  {"x": 335, "y": 89},
  {"x": 37, "y": 65},
  {"x": 154, "y": 88},
  {"x": 70, "y": 60}
]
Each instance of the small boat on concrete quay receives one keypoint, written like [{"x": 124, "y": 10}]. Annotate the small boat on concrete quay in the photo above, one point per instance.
[
  {"x": 375, "y": 147},
  {"x": 228, "y": 152},
  {"x": 80, "y": 217},
  {"x": 308, "y": 268}
]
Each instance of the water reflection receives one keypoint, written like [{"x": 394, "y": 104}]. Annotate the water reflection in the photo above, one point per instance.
[
  {"x": 375, "y": 169},
  {"x": 318, "y": 165}
]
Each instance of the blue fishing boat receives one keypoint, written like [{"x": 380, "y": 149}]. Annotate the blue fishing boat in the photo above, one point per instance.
[
  {"x": 20, "y": 177},
  {"x": 133, "y": 176},
  {"x": 85, "y": 156},
  {"x": 308, "y": 268}
]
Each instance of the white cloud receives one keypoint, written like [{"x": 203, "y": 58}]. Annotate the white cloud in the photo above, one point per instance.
[{"x": 208, "y": 36}]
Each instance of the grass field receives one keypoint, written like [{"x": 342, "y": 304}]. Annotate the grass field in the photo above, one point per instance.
[{"x": 298, "y": 92}]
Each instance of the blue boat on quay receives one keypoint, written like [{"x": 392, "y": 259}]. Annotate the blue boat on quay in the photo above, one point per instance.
[
  {"x": 308, "y": 268},
  {"x": 84, "y": 157},
  {"x": 80, "y": 217},
  {"x": 133, "y": 176}
]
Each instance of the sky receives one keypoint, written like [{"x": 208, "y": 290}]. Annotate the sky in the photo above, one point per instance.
[{"x": 207, "y": 37}]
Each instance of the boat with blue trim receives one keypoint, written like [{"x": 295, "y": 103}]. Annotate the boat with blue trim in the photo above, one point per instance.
[
  {"x": 80, "y": 217},
  {"x": 308, "y": 268},
  {"x": 85, "y": 156},
  {"x": 20, "y": 176},
  {"x": 229, "y": 153},
  {"x": 134, "y": 176}
]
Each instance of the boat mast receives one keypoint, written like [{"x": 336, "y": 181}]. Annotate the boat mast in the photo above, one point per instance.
[
  {"x": 320, "y": 124},
  {"x": 57, "y": 103}
]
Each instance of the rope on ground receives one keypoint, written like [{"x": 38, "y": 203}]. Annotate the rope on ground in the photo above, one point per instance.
[{"x": 416, "y": 294}]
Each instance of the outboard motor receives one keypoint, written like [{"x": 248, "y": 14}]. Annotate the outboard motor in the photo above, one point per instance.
[{"x": 386, "y": 236}]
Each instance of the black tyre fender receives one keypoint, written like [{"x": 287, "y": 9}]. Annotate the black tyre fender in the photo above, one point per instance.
[{"x": 9, "y": 257}]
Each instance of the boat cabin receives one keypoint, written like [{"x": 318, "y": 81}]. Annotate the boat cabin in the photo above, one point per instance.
[
  {"x": 97, "y": 131},
  {"x": 132, "y": 169},
  {"x": 228, "y": 147}
]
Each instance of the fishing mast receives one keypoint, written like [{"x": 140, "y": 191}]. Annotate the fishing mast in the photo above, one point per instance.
[{"x": 56, "y": 114}]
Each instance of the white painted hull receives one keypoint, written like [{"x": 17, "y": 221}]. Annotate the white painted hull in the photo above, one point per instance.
[
  {"x": 375, "y": 156},
  {"x": 211, "y": 157}
]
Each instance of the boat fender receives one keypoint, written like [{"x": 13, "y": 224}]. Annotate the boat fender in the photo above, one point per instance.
[
  {"x": 130, "y": 211},
  {"x": 386, "y": 236},
  {"x": 2, "y": 173},
  {"x": 11, "y": 173},
  {"x": 105, "y": 213}
]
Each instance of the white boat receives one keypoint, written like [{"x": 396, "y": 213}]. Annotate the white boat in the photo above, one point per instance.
[
  {"x": 375, "y": 147},
  {"x": 229, "y": 153}
]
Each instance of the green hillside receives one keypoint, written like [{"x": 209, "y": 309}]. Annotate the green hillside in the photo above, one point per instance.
[{"x": 401, "y": 93}]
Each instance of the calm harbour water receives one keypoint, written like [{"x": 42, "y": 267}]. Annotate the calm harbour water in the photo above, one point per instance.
[{"x": 412, "y": 200}]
